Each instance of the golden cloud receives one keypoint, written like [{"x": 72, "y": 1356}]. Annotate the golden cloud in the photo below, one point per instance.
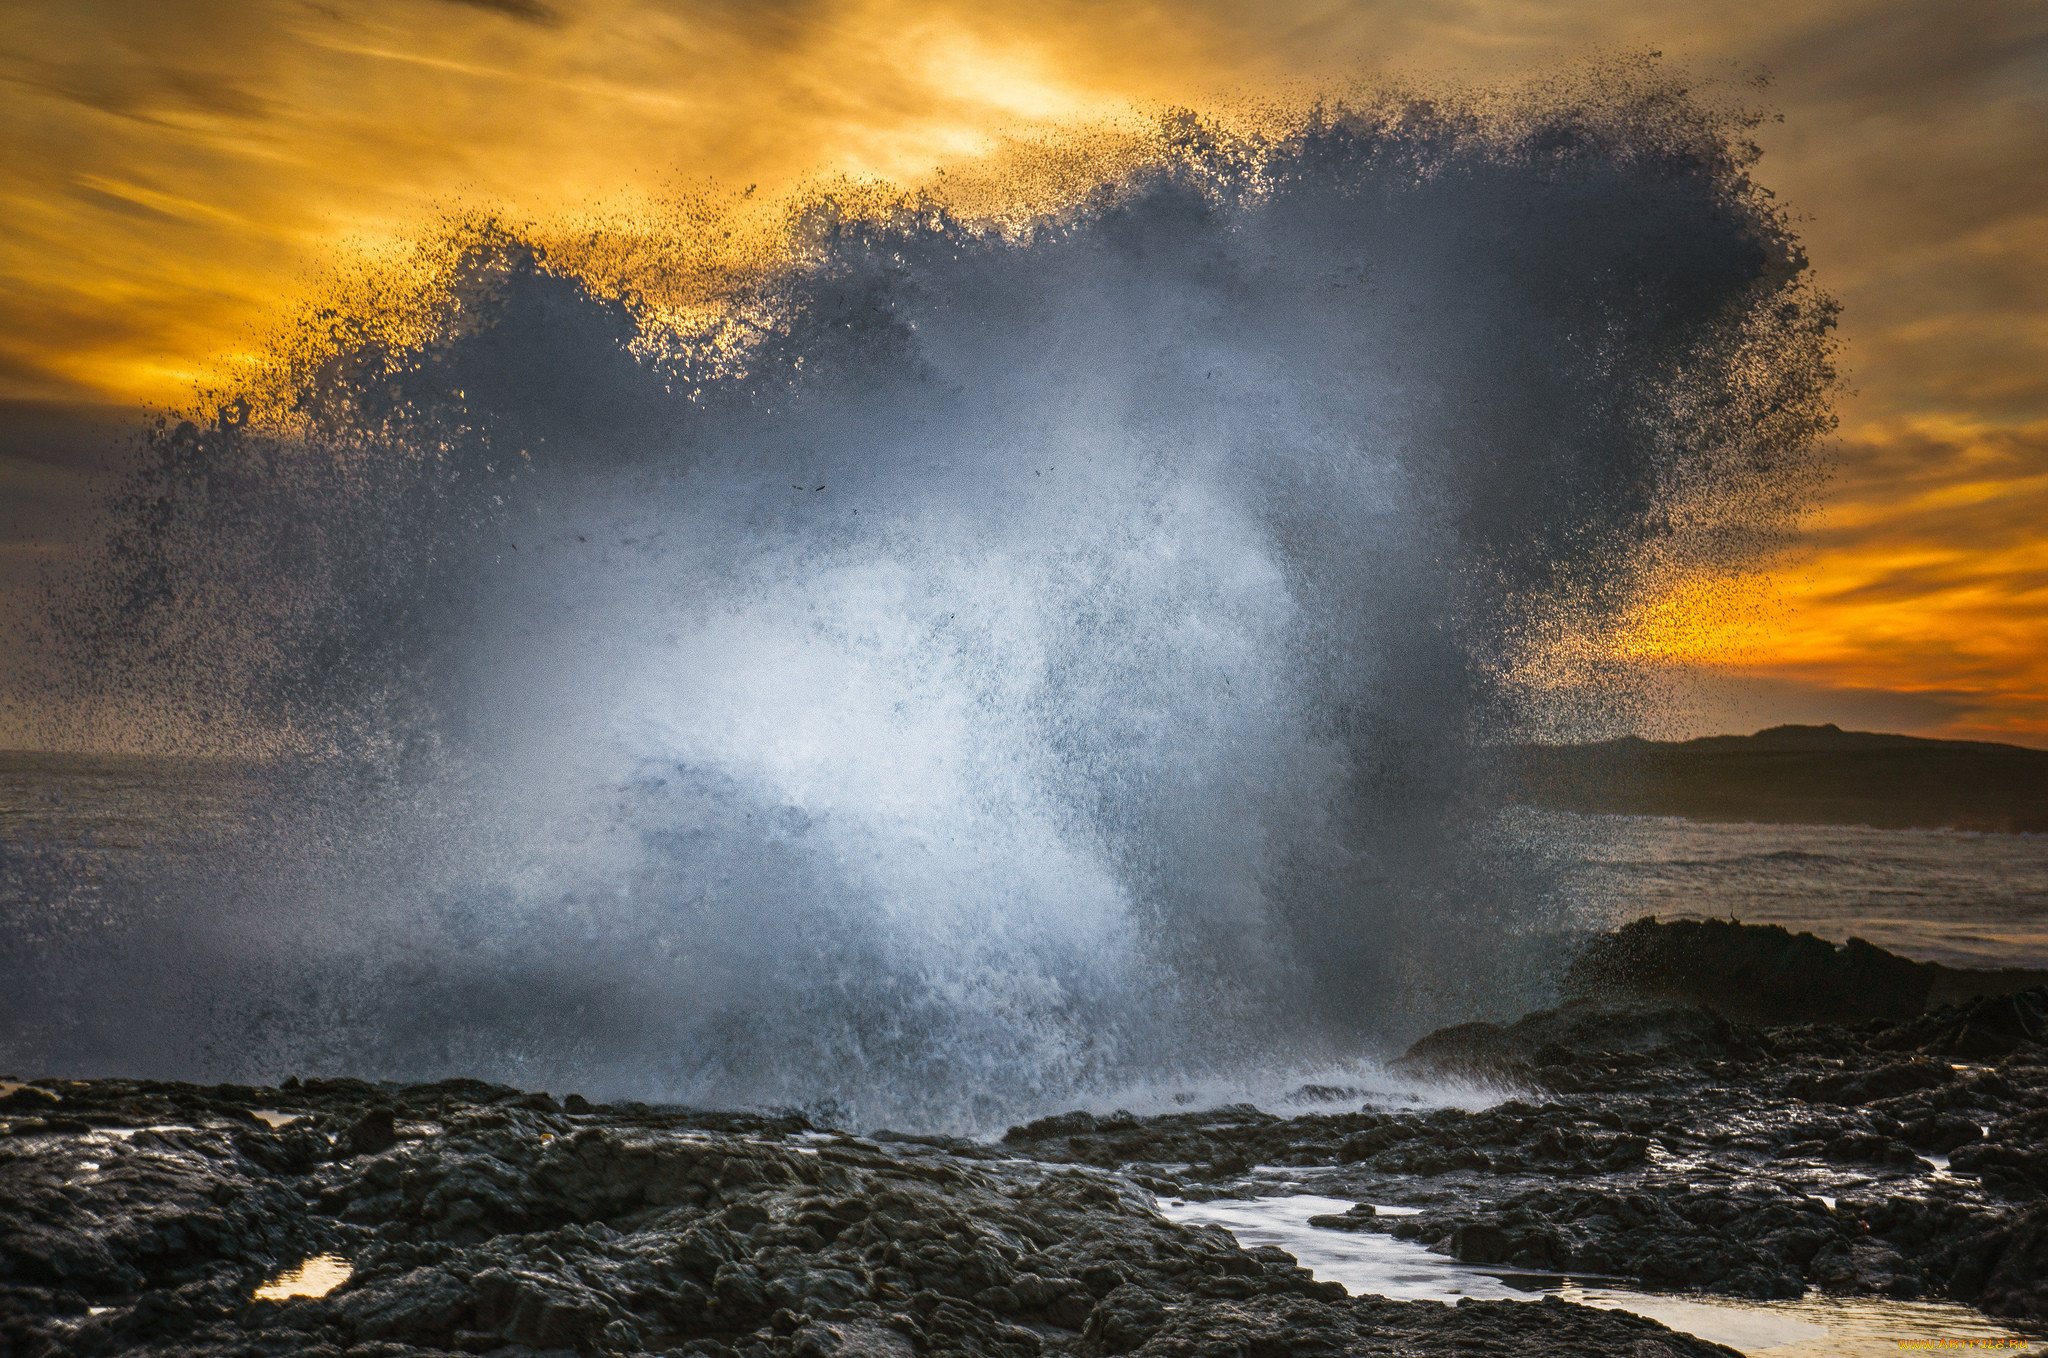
[{"x": 179, "y": 176}]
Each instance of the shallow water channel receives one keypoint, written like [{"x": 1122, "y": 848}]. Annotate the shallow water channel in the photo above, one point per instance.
[{"x": 1813, "y": 1326}]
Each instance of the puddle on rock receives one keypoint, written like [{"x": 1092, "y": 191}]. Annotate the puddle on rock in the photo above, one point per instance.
[
  {"x": 316, "y": 1277},
  {"x": 130, "y": 1133},
  {"x": 1815, "y": 1326}
]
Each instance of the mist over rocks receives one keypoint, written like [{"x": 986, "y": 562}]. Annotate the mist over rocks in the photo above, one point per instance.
[{"x": 986, "y": 667}]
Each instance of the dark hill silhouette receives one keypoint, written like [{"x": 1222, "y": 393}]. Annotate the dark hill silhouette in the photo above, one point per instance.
[{"x": 1803, "y": 775}]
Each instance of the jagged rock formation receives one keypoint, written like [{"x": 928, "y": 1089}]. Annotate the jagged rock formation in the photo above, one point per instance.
[
  {"x": 1659, "y": 1142},
  {"x": 138, "y": 1218},
  {"x": 1763, "y": 973}
]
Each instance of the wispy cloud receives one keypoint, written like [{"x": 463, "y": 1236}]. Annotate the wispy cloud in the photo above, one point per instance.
[
  {"x": 528, "y": 11},
  {"x": 176, "y": 173}
]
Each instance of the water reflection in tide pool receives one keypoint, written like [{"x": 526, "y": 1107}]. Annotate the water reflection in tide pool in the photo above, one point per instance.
[
  {"x": 316, "y": 1277},
  {"x": 1815, "y": 1326}
]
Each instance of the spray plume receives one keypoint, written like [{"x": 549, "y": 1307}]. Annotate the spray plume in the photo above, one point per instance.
[{"x": 974, "y": 666}]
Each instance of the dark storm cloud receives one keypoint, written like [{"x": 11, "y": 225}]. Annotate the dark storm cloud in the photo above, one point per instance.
[{"x": 529, "y": 11}]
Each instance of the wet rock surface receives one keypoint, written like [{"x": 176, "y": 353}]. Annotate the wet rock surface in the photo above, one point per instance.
[
  {"x": 1673, "y": 1148},
  {"x": 1664, "y": 1145},
  {"x": 139, "y": 1218},
  {"x": 1762, "y": 973}
]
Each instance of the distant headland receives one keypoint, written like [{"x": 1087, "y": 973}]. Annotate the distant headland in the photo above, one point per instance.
[{"x": 1797, "y": 775}]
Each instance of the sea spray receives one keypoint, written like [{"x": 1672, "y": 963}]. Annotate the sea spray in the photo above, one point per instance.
[{"x": 984, "y": 667}]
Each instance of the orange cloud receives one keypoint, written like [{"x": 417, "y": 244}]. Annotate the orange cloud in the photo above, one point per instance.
[
  {"x": 178, "y": 175},
  {"x": 1927, "y": 573}
]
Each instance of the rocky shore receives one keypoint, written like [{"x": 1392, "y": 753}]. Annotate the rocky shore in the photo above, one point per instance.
[{"x": 1664, "y": 1144}]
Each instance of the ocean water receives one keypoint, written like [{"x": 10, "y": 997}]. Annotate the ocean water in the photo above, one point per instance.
[
  {"x": 1948, "y": 896},
  {"x": 81, "y": 837}
]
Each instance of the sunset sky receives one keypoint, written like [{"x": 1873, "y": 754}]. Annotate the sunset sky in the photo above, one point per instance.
[{"x": 178, "y": 173}]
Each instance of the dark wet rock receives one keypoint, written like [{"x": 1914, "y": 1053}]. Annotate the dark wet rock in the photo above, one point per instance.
[
  {"x": 1752, "y": 972},
  {"x": 1868, "y": 1086},
  {"x": 477, "y": 1220},
  {"x": 1125, "y": 1319},
  {"x": 1869, "y": 1148},
  {"x": 1762, "y": 973},
  {"x": 374, "y": 1131},
  {"x": 1665, "y": 1144},
  {"x": 1751, "y": 1243},
  {"x": 29, "y": 1099},
  {"x": 1358, "y": 1217},
  {"x": 1938, "y": 1133},
  {"x": 2003, "y": 1268},
  {"x": 1983, "y": 1029},
  {"x": 1560, "y": 1048}
]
